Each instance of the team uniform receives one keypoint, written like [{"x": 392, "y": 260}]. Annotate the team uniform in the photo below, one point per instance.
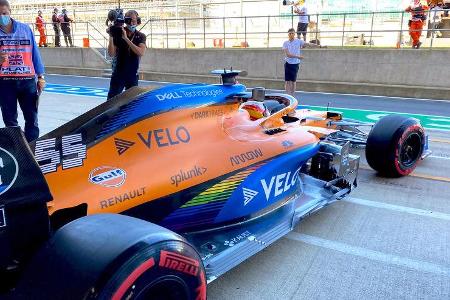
[
  {"x": 418, "y": 17},
  {"x": 41, "y": 28},
  {"x": 18, "y": 77}
]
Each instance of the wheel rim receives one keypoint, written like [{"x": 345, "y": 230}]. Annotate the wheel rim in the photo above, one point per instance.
[
  {"x": 165, "y": 288},
  {"x": 410, "y": 150}
]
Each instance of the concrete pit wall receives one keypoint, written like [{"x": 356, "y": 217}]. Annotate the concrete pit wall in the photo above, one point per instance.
[{"x": 405, "y": 73}]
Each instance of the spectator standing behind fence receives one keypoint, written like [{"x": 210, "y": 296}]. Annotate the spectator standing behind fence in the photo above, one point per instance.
[
  {"x": 436, "y": 13},
  {"x": 303, "y": 21},
  {"x": 127, "y": 51},
  {"x": 40, "y": 26},
  {"x": 56, "y": 26},
  {"x": 418, "y": 16},
  {"x": 20, "y": 65},
  {"x": 65, "y": 27}
]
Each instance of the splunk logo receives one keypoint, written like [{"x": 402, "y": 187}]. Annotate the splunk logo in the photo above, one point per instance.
[
  {"x": 279, "y": 184},
  {"x": 185, "y": 175},
  {"x": 108, "y": 176},
  {"x": 8, "y": 170}
]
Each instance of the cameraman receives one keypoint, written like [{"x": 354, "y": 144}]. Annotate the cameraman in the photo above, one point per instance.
[{"x": 127, "y": 50}]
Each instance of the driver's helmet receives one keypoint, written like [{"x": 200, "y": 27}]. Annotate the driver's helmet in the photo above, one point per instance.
[{"x": 255, "y": 109}]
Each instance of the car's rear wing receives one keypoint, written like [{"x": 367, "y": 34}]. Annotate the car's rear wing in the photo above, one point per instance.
[{"x": 24, "y": 193}]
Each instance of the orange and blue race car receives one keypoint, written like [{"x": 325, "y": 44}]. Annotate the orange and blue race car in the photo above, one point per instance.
[{"x": 157, "y": 192}]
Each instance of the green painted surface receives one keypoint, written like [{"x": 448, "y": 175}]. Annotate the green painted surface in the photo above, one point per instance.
[{"x": 427, "y": 121}]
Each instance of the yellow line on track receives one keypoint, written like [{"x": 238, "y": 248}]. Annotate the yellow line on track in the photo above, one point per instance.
[
  {"x": 415, "y": 174},
  {"x": 440, "y": 141}
]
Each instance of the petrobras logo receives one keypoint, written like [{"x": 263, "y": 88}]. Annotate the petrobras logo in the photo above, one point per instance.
[
  {"x": 108, "y": 176},
  {"x": 9, "y": 170}
]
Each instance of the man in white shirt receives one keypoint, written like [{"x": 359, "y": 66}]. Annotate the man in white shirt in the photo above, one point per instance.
[
  {"x": 293, "y": 55},
  {"x": 292, "y": 50},
  {"x": 303, "y": 19}
]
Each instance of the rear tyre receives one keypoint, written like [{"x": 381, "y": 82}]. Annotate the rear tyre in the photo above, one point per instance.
[
  {"x": 109, "y": 256},
  {"x": 395, "y": 145},
  {"x": 169, "y": 270}
]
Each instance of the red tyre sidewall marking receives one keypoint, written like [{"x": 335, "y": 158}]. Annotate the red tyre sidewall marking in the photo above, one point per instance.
[
  {"x": 178, "y": 262},
  {"x": 201, "y": 290},
  {"x": 399, "y": 145},
  {"x": 126, "y": 284}
]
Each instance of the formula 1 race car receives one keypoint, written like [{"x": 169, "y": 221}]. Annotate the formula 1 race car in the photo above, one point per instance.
[{"x": 155, "y": 193}]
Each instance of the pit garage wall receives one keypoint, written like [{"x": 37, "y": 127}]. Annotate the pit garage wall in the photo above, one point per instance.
[{"x": 406, "y": 72}]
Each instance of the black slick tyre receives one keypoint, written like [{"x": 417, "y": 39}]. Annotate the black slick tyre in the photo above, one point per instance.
[
  {"x": 170, "y": 270},
  {"x": 395, "y": 145},
  {"x": 109, "y": 256}
]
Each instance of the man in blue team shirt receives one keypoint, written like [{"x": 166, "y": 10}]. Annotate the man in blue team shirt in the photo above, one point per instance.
[{"x": 21, "y": 72}]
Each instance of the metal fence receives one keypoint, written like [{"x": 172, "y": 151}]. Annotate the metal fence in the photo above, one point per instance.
[{"x": 376, "y": 29}]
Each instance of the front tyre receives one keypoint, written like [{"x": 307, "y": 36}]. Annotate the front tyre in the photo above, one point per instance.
[{"x": 395, "y": 145}]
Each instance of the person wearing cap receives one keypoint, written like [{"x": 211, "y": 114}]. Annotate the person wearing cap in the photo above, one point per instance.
[
  {"x": 21, "y": 72},
  {"x": 56, "y": 27},
  {"x": 40, "y": 26}
]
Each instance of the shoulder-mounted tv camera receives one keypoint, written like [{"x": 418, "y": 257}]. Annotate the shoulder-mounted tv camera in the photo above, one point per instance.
[{"x": 116, "y": 20}]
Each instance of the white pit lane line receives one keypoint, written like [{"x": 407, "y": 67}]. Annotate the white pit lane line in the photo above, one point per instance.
[
  {"x": 398, "y": 208},
  {"x": 417, "y": 265}
]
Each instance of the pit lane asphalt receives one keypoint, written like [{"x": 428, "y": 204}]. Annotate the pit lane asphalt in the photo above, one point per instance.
[{"x": 389, "y": 240}]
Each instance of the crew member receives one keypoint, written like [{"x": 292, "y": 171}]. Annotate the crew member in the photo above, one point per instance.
[
  {"x": 20, "y": 65},
  {"x": 127, "y": 51},
  {"x": 65, "y": 27},
  {"x": 56, "y": 27},
  {"x": 418, "y": 17},
  {"x": 40, "y": 26}
]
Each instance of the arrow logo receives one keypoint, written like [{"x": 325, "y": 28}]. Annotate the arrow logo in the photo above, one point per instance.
[
  {"x": 248, "y": 195},
  {"x": 122, "y": 145}
]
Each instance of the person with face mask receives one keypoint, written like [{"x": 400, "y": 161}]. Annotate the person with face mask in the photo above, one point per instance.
[
  {"x": 21, "y": 72},
  {"x": 127, "y": 52},
  {"x": 65, "y": 27},
  {"x": 56, "y": 27}
]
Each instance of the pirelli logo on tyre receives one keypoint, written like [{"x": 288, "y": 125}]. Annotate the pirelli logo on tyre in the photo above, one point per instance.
[{"x": 179, "y": 263}]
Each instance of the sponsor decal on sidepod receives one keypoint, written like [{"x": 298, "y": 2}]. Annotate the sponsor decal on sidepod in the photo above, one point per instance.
[{"x": 108, "y": 176}]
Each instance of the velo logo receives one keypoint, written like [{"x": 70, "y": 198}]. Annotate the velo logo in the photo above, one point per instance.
[
  {"x": 9, "y": 170},
  {"x": 108, "y": 176}
]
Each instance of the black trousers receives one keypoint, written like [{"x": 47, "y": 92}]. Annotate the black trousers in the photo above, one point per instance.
[
  {"x": 57, "y": 36},
  {"x": 120, "y": 81},
  {"x": 302, "y": 29},
  {"x": 25, "y": 92}
]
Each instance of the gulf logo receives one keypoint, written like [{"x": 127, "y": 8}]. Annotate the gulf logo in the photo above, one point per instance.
[{"x": 108, "y": 176}]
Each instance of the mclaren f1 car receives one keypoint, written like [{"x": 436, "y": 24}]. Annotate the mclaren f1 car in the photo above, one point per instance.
[{"x": 157, "y": 192}]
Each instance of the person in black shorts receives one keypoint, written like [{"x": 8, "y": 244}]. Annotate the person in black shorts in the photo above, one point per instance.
[
  {"x": 293, "y": 56},
  {"x": 127, "y": 52}
]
